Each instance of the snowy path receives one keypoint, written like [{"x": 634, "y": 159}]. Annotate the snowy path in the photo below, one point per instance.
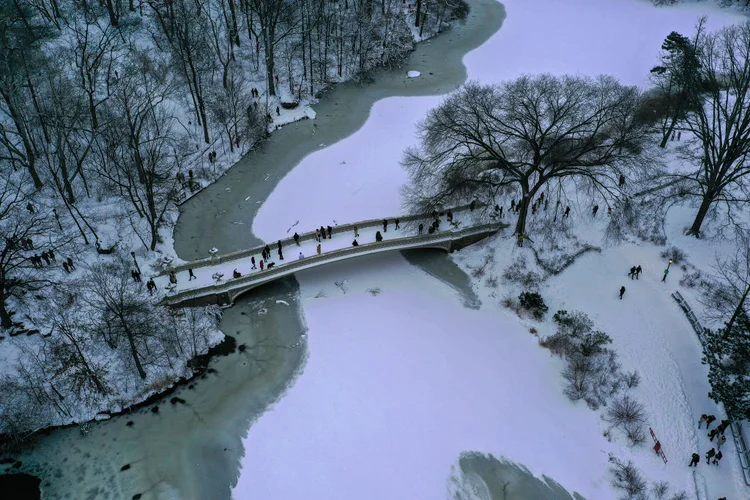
[{"x": 652, "y": 335}]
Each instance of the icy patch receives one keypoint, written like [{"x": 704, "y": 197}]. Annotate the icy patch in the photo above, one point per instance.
[{"x": 413, "y": 74}]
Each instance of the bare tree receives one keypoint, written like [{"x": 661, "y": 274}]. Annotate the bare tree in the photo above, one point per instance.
[
  {"x": 720, "y": 122},
  {"x": 19, "y": 221},
  {"x": 727, "y": 294},
  {"x": 525, "y": 133},
  {"x": 135, "y": 152},
  {"x": 277, "y": 20},
  {"x": 122, "y": 310}
]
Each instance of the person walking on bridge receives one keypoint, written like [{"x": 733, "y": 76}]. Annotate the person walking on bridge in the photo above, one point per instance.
[
  {"x": 301, "y": 256},
  {"x": 317, "y": 249},
  {"x": 385, "y": 225},
  {"x": 252, "y": 261},
  {"x": 281, "y": 255},
  {"x": 396, "y": 222},
  {"x": 420, "y": 228},
  {"x": 329, "y": 230},
  {"x": 190, "y": 274},
  {"x": 378, "y": 236},
  {"x": 296, "y": 238},
  {"x": 356, "y": 232}
]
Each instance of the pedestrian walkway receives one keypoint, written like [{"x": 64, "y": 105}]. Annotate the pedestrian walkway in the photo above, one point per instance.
[{"x": 215, "y": 276}]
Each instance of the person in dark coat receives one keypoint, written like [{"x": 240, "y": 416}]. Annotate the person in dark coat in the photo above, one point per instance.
[
  {"x": 717, "y": 457},
  {"x": 702, "y": 420},
  {"x": 65, "y": 267},
  {"x": 45, "y": 256},
  {"x": 30, "y": 242},
  {"x": 622, "y": 180},
  {"x": 567, "y": 212},
  {"x": 329, "y": 230},
  {"x": 710, "y": 420},
  {"x": 296, "y": 238},
  {"x": 271, "y": 264},
  {"x": 449, "y": 215},
  {"x": 378, "y": 236},
  {"x": 712, "y": 434},
  {"x": 500, "y": 212},
  {"x": 638, "y": 271},
  {"x": 236, "y": 274},
  {"x": 317, "y": 235},
  {"x": 137, "y": 276},
  {"x": 473, "y": 205},
  {"x": 150, "y": 286},
  {"x": 622, "y": 292},
  {"x": 132, "y": 275},
  {"x": 512, "y": 205},
  {"x": 723, "y": 426},
  {"x": 191, "y": 276},
  {"x": 710, "y": 454},
  {"x": 694, "y": 460},
  {"x": 596, "y": 209},
  {"x": 30, "y": 207},
  {"x": 431, "y": 229},
  {"x": 355, "y": 244},
  {"x": 323, "y": 232},
  {"x": 396, "y": 222},
  {"x": 252, "y": 261},
  {"x": 281, "y": 255},
  {"x": 632, "y": 272},
  {"x": 268, "y": 252},
  {"x": 261, "y": 265},
  {"x": 51, "y": 254},
  {"x": 420, "y": 228},
  {"x": 173, "y": 278},
  {"x": 385, "y": 225}
]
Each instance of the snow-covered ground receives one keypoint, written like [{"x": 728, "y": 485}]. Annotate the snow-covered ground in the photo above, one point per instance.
[{"x": 399, "y": 384}]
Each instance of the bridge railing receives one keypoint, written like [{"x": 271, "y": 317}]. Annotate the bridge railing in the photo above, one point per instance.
[
  {"x": 310, "y": 235},
  {"x": 739, "y": 440},
  {"x": 285, "y": 269}
]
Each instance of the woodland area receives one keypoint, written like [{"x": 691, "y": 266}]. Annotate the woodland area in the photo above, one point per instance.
[{"x": 108, "y": 110}]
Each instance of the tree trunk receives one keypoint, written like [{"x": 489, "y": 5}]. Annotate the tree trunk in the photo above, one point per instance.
[
  {"x": 133, "y": 350},
  {"x": 27, "y": 146},
  {"x": 235, "y": 32},
  {"x": 695, "y": 229},
  {"x": 419, "y": 14},
  {"x": 667, "y": 135},
  {"x": 270, "y": 63},
  {"x": 6, "y": 321},
  {"x": 522, "y": 214},
  {"x": 737, "y": 311}
]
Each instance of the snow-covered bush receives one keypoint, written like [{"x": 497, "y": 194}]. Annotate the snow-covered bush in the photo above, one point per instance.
[
  {"x": 631, "y": 379},
  {"x": 674, "y": 254},
  {"x": 629, "y": 415},
  {"x": 660, "y": 489},
  {"x": 519, "y": 273},
  {"x": 626, "y": 477},
  {"x": 533, "y": 303}
]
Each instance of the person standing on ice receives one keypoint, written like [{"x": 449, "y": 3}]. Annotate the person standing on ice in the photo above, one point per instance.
[
  {"x": 638, "y": 271},
  {"x": 378, "y": 236},
  {"x": 632, "y": 272},
  {"x": 622, "y": 292},
  {"x": 596, "y": 209},
  {"x": 296, "y": 238},
  {"x": 709, "y": 455},
  {"x": 694, "y": 460},
  {"x": 385, "y": 225},
  {"x": 252, "y": 261}
]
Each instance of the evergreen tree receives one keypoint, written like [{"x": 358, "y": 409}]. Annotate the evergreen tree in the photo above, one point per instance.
[{"x": 728, "y": 356}]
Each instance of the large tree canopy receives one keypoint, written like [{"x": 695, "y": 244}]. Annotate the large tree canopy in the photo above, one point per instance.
[{"x": 524, "y": 133}]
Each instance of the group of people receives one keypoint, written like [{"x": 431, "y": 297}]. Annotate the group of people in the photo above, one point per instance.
[
  {"x": 635, "y": 272},
  {"x": 713, "y": 455},
  {"x": 39, "y": 260}
]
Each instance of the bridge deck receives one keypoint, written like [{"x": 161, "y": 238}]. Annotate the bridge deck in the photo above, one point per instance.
[{"x": 204, "y": 284}]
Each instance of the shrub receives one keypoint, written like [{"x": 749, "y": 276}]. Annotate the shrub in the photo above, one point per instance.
[
  {"x": 518, "y": 273},
  {"x": 628, "y": 478},
  {"x": 631, "y": 379},
  {"x": 625, "y": 411},
  {"x": 660, "y": 489},
  {"x": 679, "y": 496},
  {"x": 636, "y": 434},
  {"x": 534, "y": 303},
  {"x": 673, "y": 253}
]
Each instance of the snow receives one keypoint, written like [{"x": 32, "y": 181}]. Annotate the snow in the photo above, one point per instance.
[
  {"x": 398, "y": 385},
  {"x": 617, "y": 37},
  {"x": 413, "y": 74}
]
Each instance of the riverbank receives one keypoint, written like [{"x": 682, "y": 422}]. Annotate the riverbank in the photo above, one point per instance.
[{"x": 223, "y": 214}]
